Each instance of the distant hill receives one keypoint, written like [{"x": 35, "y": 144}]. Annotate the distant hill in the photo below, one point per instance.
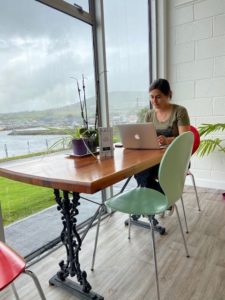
[
  {"x": 127, "y": 98},
  {"x": 121, "y": 103}
]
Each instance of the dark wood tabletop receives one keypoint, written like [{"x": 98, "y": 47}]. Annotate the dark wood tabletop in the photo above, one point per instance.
[{"x": 82, "y": 174}]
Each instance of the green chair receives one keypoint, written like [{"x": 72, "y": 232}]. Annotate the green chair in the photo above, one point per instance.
[{"x": 149, "y": 202}]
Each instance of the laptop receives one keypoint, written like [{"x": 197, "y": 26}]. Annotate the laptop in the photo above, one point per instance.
[{"x": 139, "y": 136}]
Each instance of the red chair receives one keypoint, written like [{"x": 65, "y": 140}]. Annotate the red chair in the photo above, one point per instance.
[
  {"x": 196, "y": 139},
  {"x": 11, "y": 266},
  {"x": 195, "y": 147}
]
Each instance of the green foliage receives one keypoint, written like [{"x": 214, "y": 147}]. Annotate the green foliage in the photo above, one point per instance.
[
  {"x": 209, "y": 145},
  {"x": 47, "y": 131},
  {"x": 141, "y": 114},
  {"x": 75, "y": 133},
  {"x": 205, "y": 129}
]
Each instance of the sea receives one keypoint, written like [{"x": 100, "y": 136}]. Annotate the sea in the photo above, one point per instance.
[{"x": 14, "y": 145}]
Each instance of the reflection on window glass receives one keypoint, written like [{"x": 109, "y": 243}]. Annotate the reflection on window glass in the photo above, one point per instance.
[
  {"x": 83, "y": 3},
  {"x": 43, "y": 53},
  {"x": 127, "y": 58}
]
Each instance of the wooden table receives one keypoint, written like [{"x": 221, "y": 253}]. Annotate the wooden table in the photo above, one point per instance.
[{"x": 69, "y": 175}]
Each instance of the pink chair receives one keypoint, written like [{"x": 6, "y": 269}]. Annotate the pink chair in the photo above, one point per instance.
[{"x": 11, "y": 266}]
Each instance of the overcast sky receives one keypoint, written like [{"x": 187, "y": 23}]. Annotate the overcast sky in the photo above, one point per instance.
[{"x": 41, "y": 48}]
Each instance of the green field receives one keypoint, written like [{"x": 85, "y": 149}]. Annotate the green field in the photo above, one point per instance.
[{"x": 19, "y": 200}]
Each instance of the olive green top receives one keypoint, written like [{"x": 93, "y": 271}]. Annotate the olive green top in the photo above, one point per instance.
[{"x": 168, "y": 128}]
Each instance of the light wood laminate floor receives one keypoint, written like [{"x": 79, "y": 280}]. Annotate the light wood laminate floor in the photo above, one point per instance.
[{"x": 125, "y": 269}]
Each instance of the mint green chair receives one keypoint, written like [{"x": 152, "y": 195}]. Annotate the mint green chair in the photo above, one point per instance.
[{"x": 149, "y": 202}]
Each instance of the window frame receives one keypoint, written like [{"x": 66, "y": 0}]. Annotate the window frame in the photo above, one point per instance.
[{"x": 70, "y": 10}]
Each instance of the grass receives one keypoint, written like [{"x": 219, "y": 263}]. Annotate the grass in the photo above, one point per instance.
[
  {"x": 19, "y": 200},
  {"x": 22, "y": 156},
  {"x": 30, "y": 155}
]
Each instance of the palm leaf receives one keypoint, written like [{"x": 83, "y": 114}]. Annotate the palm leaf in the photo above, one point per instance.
[
  {"x": 206, "y": 129},
  {"x": 208, "y": 145}
]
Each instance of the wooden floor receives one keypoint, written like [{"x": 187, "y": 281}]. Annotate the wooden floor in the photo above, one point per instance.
[{"x": 125, "y": 269}]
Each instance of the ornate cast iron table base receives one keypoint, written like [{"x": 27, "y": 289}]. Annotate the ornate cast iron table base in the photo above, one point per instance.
[
  {"x": 74, "y": 288},
  {"x": 72, "y": 241}
]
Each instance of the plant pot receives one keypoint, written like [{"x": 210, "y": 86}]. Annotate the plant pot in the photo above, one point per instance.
[{"x": 83, "y": 146}]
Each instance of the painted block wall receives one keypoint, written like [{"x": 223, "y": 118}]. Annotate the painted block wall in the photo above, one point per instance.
[{"x": 196, "y": 71}]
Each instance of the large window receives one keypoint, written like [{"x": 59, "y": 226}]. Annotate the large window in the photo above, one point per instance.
[
  {"x": 127, "y": 49},
  {"x": 43, "y": 52}
]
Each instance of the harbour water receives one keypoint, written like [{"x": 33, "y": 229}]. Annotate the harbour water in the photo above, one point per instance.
[{"x": 13, "y": 145}]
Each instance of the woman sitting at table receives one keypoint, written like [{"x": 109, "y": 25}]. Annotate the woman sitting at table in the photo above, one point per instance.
[{"x": 169, "y": 119}]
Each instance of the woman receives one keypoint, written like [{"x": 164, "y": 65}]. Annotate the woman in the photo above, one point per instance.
[{"x": 169, "y": 119}]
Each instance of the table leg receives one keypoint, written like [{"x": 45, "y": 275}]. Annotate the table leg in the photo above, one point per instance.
[{"x": 72, "y": 242}]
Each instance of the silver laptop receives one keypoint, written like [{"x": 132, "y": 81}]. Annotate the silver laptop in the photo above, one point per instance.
[{"x": 139, "y": 136}]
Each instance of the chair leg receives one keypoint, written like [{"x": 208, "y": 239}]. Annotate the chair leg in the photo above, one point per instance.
[
  {"x": 37, "y": 283},
  {"x": 96, "y": 239},
  {"x": 181, "y": 230},
  {"x": 196, "y": 193},
  {"x": 15, "y": 291},
  {"x": 185, "y": 219},
  {"x": 154, "y": 254},
  {"x": 129, "y": 224}
]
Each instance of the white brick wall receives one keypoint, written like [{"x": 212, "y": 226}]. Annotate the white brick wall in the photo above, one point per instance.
[
  {"x": 208, "y": 8},
  {"x": 210, "y": 47},
  {"x": 194, "y": 31},
  {"x": 184, "y": 15},
  {"x": 184, "y": 52},
  {"x": 196, "y": 70},
  {"x": 219, "y": 25},
  {"x": 198, "y": 107},
  {"x": 219, "y": 106},
  {"x": 183, "y": 88},
  {"x": 219, "y": 66},
  {"x": 210, "y": 87}
]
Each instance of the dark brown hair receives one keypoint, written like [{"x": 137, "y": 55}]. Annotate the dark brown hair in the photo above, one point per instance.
[{"x": 162, "y": 85}]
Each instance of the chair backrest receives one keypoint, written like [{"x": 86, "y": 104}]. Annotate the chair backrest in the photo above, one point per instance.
[
  {"x": 196, "y": 138},
  {"x": 11, "y": 265},
  {"x": 174, "y": 165}
]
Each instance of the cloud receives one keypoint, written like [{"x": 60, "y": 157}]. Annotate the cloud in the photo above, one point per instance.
[{"x": 41, "y": 48}]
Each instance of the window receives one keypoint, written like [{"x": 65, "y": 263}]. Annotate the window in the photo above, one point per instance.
[
  {"x": 42, "y": 54},
  {"x": 127, "y": 53}
]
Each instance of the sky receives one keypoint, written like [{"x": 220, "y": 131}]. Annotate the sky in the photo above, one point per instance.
[{"x": 41, "y": 49}]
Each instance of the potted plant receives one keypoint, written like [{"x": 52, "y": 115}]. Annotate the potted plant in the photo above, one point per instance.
[
  {"x": 86, "y": 140},
  {"x": 209, "y": 145},
  {"x": 83, "y": 139}
]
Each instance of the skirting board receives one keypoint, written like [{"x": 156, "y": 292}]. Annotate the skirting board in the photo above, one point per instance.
[{"x": 207, "y": 183}]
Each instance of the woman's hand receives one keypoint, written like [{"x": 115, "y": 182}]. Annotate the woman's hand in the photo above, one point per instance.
[{"x": 162, "y": 140}]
